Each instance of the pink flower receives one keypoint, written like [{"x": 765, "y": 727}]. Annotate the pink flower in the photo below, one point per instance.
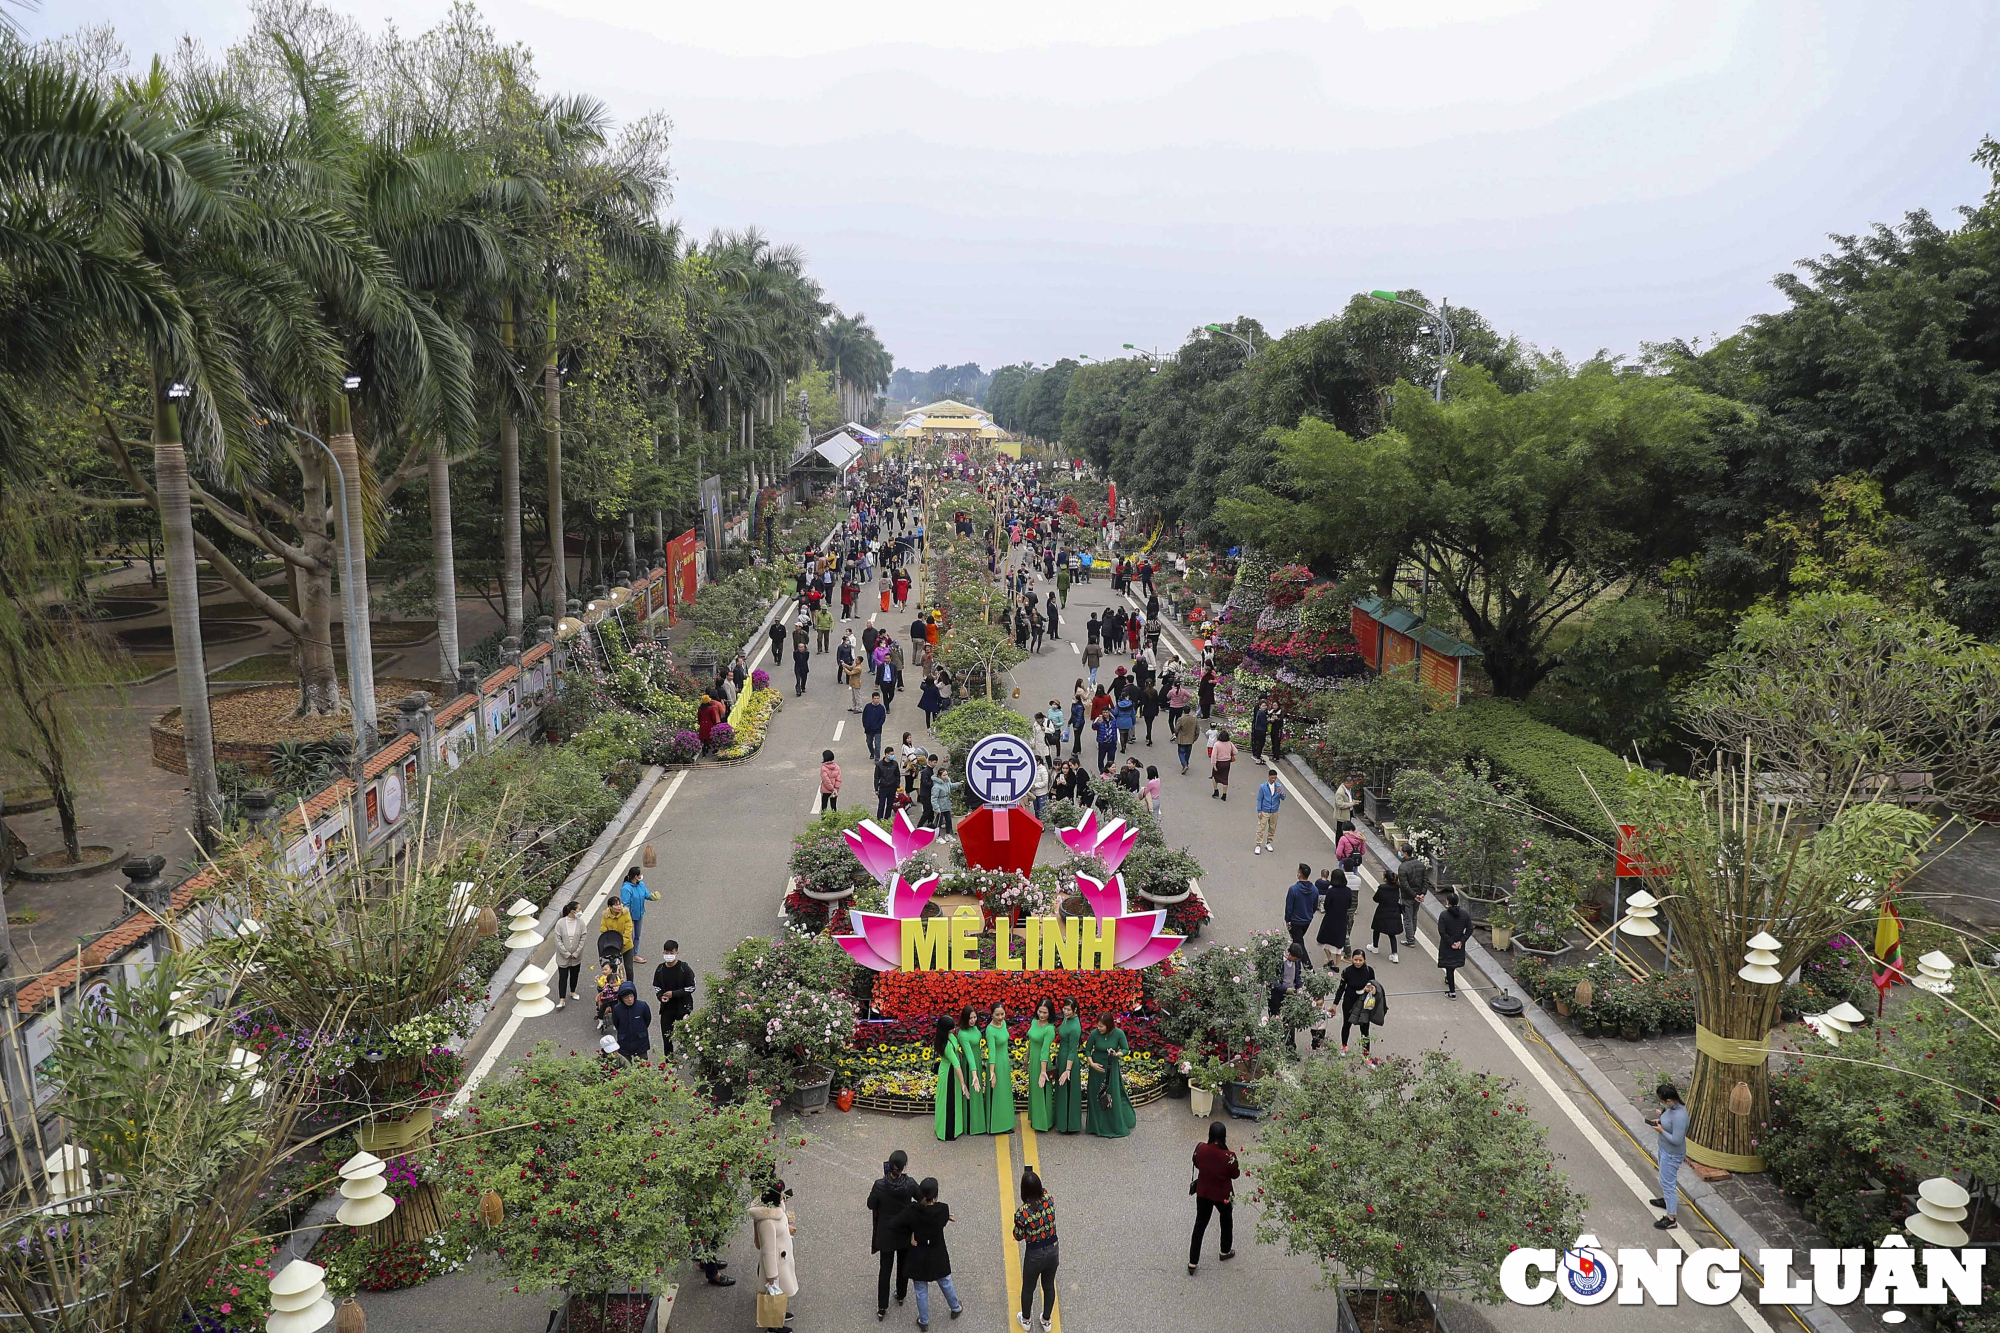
[{"x": 225, "y": 1307}]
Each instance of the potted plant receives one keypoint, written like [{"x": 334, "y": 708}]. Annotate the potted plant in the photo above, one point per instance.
[
  {"x": 548, "y": 1176},
  {"x": 1205, "y": 1076},
  {"x": 1543, "y": 898},
  {"x": 1501, "y": 922},
  {"x": 1403, "y": 1227}
]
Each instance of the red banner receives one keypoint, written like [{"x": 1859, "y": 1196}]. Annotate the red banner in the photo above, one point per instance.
[
  {"x": 681, "y": 575},
  {"x": 1624, "y": 863},
  {"x": 1111, "y": 499}
]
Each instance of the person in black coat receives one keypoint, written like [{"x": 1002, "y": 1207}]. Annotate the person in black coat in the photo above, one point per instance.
[
  {"x": 1361, "y": 1000},
  {"x": 1336, "y": 900},
  {"x": 673, "y": 984},
  {"x": 888, "y": 777},
  {"x": 632, "y": 1020},
  {"x": 1388, "y": 918},
  {"x": 930, "y": 1258},
  {"x": 777, "y": 641},
  {"x": 1454, "y": 929},
  {"x": 888, "y": 1199}
]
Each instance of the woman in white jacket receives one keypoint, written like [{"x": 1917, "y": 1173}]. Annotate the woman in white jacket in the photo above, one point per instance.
[
  {"x": 569, "y": 952},
  {"x": 777, "y": 1246}
]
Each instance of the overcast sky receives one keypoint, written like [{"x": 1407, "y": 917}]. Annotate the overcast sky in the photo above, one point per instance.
[{"x": 1043, "y": 179}]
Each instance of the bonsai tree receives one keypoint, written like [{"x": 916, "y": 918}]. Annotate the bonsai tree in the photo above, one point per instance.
[
  {"x": 1215, "y": 1003},
  {"x": 1409, "y": 1176},
  {"x": 1470, "y": 815},
  {"x": 1382, "y": 725},
  {"x": 607, "y": 1175}
]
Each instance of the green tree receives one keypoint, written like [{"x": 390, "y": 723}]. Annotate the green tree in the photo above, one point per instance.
[
  {"x": 1523, "y": 509},
  {"x": 1409, "y": 1175}
]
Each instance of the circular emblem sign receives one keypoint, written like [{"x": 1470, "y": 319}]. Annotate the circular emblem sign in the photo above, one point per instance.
[
  {"x": 392, "y": 798},
  {"x": 1000, "y": 769}
]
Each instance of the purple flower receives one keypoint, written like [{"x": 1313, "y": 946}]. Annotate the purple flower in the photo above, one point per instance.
[{"x": 760, "y": 680}]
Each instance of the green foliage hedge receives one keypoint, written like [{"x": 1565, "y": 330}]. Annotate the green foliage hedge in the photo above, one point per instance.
[{"x": 1543, "y": 762}]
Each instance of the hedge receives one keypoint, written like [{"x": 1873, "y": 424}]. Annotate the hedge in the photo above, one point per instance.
[{"x": 1543, "y": 761}]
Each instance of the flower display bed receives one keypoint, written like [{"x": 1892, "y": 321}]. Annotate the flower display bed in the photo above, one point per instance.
[
  {"x": 915, "y": 995},
  {"x": 893, "y": 1068}
]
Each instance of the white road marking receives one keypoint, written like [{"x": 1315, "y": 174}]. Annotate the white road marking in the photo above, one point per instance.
[
  {"x": 839, "y": 727},
  {"x": 1073, "y": 648},
  {"x": 1573, "y": 1113},
  {"x": 513, "y": 1023}
]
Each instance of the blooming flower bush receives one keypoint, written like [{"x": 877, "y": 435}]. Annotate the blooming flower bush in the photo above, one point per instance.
[
  {"x": 926, "y": 995},
  {"x": 760, "y": 679},
  {"x": 778, "y": 1005},
  {"x": 608, "y": 1174}
]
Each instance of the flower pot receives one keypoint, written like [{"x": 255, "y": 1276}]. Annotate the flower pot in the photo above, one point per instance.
[
  {"x": 1630, "y": 1031},
  {"x": 1240, "y": 1099},
  {"x": 1522, "y": 947},
  {"x": 1473, "y": 897},
  {"x": 1503, "y": 938},
  {"x": 589, "y": 1312},
  {"x": 1357, "y": 1304},
  {"x": 1590, "y": 911},
  {"x": 1375, "y": 806},
  {"x": 1562, "y": 1008},
  {"x": 1201, "y": 1101},
  {"x": 809, "y": 1095}
]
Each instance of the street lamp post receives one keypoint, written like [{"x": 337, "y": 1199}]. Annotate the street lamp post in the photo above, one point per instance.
[
  {"x": 1440, "y": 324},
  {"x": 1249, "y": 344}
]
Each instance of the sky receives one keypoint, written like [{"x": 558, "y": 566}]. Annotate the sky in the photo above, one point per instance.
[{"x": 1044, "y": 179}]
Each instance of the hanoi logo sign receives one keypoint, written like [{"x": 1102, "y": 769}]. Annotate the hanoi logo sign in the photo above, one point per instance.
[{"x": 1000, "y": 769}]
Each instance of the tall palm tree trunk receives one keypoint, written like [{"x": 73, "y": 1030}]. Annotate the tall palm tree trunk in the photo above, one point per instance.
[
  {"x": 631, "y": 542},
  {"x": 511, "y": 606},
  {"x": 354, "y": 540},
  {"x": 442, "y": 564},
  {"x": 170, "y": 477},
  {"x": 552, "y": 442},
  {"x": 510, "y": 525}
]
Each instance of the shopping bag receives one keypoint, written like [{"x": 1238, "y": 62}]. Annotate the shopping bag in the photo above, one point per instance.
[{"x": 770, "y": 1309}]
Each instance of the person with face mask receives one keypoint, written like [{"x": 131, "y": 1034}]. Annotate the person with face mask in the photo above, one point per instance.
[
  {"x": 673, "y": 983},
  {"x": 631, "y": 1020}
]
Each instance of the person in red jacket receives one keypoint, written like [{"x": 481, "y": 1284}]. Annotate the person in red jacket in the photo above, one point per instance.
[{"x": 1215, "y": 1173}]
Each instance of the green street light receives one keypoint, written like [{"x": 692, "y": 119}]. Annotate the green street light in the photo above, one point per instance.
[
  {"x": 1384, "y": 296},
  {"x": 1130, "y": 348}
]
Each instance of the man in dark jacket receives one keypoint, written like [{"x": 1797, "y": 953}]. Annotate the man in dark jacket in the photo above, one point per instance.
[
  {"x": 777, "y": 642},
  {"x": 1301, "y": 901},
  {"x": 893, "y": 1193},
  {"x": 873, "y": 717},
  {"x": 1454, "y": 929},
  {"x": 1414, "y": 878},
  {"x": 673, "y": 983},
  {"x": 888, "y": 778},
  {"x": 632, "y": 1019}
]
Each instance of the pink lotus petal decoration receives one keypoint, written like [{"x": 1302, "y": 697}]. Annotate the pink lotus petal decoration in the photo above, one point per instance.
[
  {"x": 1109, "y": 843},
  {"x": 1081, "y": 839},
  {"x": 884, "y": 936},
  {"x": 1105, "y": 899},
  {"x": 908, "y": 838},
  {"x": 862, "y": 952},
  {"x": 874, "y": 849},
  {"x": 1135, "y": 931},
  {"x": 906, "y": 900}
]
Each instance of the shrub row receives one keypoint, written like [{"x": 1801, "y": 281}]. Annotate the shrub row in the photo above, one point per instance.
[{"x": 1547, "y": 764}]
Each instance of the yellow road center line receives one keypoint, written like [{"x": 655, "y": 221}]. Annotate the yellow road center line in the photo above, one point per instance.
[
  {"x": 1004, "y": 1154},
  {"x": 1031, "y": 1157}
]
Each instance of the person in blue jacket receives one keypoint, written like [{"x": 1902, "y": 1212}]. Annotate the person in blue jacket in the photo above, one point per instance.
[
  {"x": 635, "y": 895},
  {"x": 632, "y": 1019},
  {"x": 1301, "y": 902},
  {"x": 1107, "y": 742},
  {"x": 1127, "y": 714}
]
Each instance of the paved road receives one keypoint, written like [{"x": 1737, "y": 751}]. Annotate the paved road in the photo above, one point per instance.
[{"x": 724, "y": 834}]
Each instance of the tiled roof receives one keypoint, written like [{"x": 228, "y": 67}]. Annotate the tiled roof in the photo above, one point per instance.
[
  {"x": 389, "y": 756},
  {"x": 453, "y": 711}
]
